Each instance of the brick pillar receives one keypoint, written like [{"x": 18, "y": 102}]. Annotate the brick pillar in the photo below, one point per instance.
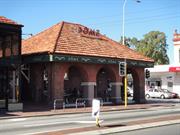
[
  {"x": 36, "y": 82},
  {"x": 139, "y": 83},
  {"x": 116, "y": 89},
  {"x": 57, "y": 83}
]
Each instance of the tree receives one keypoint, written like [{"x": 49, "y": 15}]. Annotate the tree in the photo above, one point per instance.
[{"x": 153, "y": 45}]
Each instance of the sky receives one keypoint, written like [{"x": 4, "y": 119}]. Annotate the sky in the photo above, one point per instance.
[{"x": 104, "y": 15}]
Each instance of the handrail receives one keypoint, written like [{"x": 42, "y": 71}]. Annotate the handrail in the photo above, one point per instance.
[
  {"x": 55, "y": 100},
  {"x": 87, "y": 99},
  {"x": 83, "y": 101}
]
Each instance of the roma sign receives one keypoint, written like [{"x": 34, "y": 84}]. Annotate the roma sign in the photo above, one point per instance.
[{"x": 87, "y": 31}]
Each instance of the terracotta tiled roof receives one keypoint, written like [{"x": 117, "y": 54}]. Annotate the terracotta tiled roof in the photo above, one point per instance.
[
  {"x": 66, "y": 38},
  {"x": 7, "y": 21}
]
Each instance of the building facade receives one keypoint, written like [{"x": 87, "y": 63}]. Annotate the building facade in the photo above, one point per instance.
[
  {"x": 10, "y": 61},
  {"x": 168, "y": 76},
  {"x": 69, "y": 61}
]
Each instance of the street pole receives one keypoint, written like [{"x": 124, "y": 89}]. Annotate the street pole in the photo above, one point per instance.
[
  {"x": 125, "y": 86},
  {"x": 123, "y": 19},
  {"x": 123, "y": 36},
  {"x": 125, "y": 77}
]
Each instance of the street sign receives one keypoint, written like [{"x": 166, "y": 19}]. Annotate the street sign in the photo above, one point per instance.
[{"x": 95, "y": 108}]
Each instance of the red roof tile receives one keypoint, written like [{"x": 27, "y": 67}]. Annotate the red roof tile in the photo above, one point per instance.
[
  {"x": 64, "y": 38},
  {"x": 7, "y": 21}
]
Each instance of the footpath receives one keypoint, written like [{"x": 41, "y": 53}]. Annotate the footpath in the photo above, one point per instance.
[
  {"x": 37, "y": 111},
  {"x": 104, "y": 129}
]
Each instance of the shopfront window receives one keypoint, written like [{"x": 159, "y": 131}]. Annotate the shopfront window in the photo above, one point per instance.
[{"x": 170, "y": 84}]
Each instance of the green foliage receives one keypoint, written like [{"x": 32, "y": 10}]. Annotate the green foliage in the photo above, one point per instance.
[{"x": 153, "y": 45}]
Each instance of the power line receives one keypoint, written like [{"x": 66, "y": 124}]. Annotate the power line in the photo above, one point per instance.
[{"x": 141, "y": 19}]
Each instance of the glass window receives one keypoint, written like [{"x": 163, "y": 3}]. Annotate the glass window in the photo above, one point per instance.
[
  {"x": 170, "y": 84},
  {"x": 1, "y": 47},
  {"x": 155, "y": 90},
  {"x": 15, "y": 45},
  {"x": 179, "y": 55},
  {"x": 7, "y": 46}
]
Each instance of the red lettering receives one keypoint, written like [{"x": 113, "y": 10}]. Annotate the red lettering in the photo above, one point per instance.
[
  {"x": 80, "y": 30},
  {"x": 86, "y": 30},
  {"x": 97, "y": 33},
  {"x": 92, "y": 32}
]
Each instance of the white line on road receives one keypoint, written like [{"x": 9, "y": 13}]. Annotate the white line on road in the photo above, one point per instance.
[
  {"x": 18, "y": 119},
  {"x": 46, "y": 124},
  {"x": 87, "y": 121}
]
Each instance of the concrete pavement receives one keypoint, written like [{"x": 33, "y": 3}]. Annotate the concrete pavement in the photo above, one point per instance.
[
  {"x": 104, "y": 129},
  {"x": 128, "y": 128},
  {"x": 48, "y": 112},
  {"x": 118, "y": 128}
]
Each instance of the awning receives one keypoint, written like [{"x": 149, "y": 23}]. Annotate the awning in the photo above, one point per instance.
[{"x": 174, "y": 69}]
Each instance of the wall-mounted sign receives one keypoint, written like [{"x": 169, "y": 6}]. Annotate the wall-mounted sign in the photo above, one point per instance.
[
  {"x": 87, "y": 31},
  {"x": 174, "y": 69}
]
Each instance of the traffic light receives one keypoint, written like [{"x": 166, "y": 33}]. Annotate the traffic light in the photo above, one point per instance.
[
  {"x": 122, "y": 68},
  {"x": 147, "y": 73}
]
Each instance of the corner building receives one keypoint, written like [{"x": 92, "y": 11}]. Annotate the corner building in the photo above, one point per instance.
[
  {"x": 69, "y": 61},
  {"x": 10, "y": 62}
]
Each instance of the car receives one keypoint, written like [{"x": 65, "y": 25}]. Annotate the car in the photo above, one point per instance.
[
  {"x": 129, "y": 92},
  {"x": 173, "y": 94},
  {"x": 157, "y": 93}
]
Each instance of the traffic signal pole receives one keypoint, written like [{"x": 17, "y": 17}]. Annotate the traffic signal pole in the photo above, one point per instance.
[
  {"x": 125, "y": 86},
  {"x": 125, "y": 90},
  {"x": 123, "y": 73}
]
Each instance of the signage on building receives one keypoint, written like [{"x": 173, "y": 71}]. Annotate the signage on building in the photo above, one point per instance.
[
  {"x": 174, "y": 69},
  {"x": 87, "y": 31}
]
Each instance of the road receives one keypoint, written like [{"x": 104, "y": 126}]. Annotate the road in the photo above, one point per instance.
[
  {"x": 162, "y": 130},
  {"x": 33, "y": 125}
]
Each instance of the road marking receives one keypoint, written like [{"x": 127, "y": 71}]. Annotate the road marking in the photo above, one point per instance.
[
  {"x": 18, "y": 119},
  {"x": 46, "y": 124},
  {"x": 41, "y": 132},
  {"x": 87, "y": 121},
  {"x": 53, "y": 123}
]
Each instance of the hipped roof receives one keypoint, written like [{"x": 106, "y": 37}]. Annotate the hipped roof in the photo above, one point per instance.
[
  {"x": 5, "y": 20},
  {"x": 64, "y": 38}
]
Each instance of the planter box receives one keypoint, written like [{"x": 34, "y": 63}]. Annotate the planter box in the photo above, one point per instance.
[{"x": 15, "y": 106}]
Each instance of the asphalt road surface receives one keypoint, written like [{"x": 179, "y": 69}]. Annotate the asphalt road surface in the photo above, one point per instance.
[
  {"x": 162, "y": 130},
  {"x": 33, "y": 125}
]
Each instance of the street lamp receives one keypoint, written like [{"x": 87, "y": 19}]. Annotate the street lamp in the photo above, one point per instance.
[
  {"x": 124, "y": 4},
  {"x": 125, "y": 75}
]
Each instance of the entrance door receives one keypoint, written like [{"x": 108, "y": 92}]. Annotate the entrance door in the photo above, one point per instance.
[{"x": 2, "y": 92}]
